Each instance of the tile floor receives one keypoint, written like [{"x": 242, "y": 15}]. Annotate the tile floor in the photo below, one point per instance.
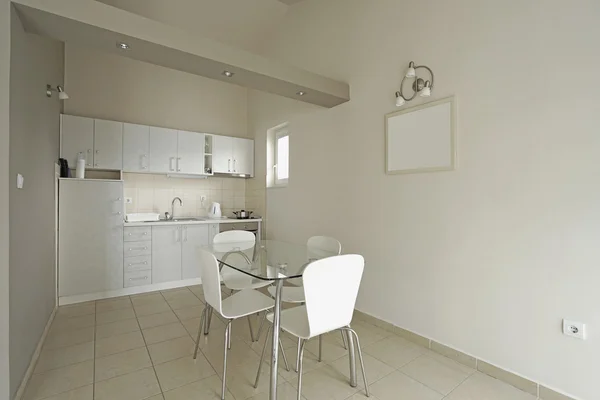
[{"x": 140, "y": 347}]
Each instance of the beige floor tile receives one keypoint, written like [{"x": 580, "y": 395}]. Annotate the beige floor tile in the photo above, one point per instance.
[
  {"x": 182, "y": 371},
  {"x": 171, "y": 349},
  {"x": 76, "y": 310},
  {"x": 134, "y": 386},
  {"x": 394, "y": 351},
  {"x": 69, "y": 338},
  {"x": 56, "y": 358},
  {"x": 332, "y": 350},
  {"x": 116, "y": 328},
  {"x": 217, "y": 327},
  {"x": 325, "y": 383},
  {"x": 156, "y": 307},
  {"x": 189, "y": 312},
  {"x": 367, "y": 333},
  {"x": 399, "y": 386},
  {"x": 157, "y": 397},
  {"x": 114, "y": 316},
  {"x": 449, "y": 362},
  {"x": 183, "y": 300},
  {"x": 438, "y": 376},
  {"x": 150, "y": 321},
  {"x": 240, "y": 380},
  {"x": 206, "y": 389},
  {"x": 482, "y": 387},
  {"x": 284, "y": 392},
  {"x": 118, "y": 303},
  {"x": 549, "y": 394},
  {"x": 362, "y": 396},
  {"x": 60, "y": 380},
  {"x": 197, "y": 291},
  {"x": 171, "y": 293},
  {"x": 146, "y": 299},
  {"x": 310, "y": 363},
  {"x": 82, "y": 393},
  {"x": 62, "y": 324},
  {"x": 121, "y": 363},
  {"x": 164, "y": 332},
  {"x": 375, "y": 369},
  {"x": 240, "y": 353},
  {"x": 119, "y": 343}
]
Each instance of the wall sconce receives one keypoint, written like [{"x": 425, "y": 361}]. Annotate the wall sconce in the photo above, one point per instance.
[
  {"x": 421, "y": 86},
  {"x": 62, "y": 95}
]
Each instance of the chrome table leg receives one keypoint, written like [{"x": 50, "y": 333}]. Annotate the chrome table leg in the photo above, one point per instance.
[{"x": 275, "y": 343}]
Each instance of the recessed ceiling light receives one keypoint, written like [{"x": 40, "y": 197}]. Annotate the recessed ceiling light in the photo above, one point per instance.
[
  {"x": 301, "y": 93},
  {"x": 122, "y": 45},
  {"x": 228, "y": 74}
]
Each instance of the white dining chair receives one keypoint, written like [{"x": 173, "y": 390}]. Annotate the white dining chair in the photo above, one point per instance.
[
  {"x": 330, "y": 289},
  {"x": 318, "y": 247},
  {"x": 237, "y": 242},
  {"x": 241, "y": 304}
]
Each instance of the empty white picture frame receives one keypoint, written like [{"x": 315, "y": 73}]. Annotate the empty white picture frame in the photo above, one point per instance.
[{"x": 421, "y": 138}]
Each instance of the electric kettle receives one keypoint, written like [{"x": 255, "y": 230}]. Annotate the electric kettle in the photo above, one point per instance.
[{"x": 214, "y": 211}]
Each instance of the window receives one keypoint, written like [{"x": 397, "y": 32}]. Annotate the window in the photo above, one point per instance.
[{"x": 282, "y": 158}]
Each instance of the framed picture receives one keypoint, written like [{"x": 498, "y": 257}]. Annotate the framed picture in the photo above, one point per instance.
[{"x": 421, "y": 138}]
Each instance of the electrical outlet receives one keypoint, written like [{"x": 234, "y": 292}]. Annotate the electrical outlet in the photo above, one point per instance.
[
  {"x": 574, "y": 328},
  {"x": 128, "y": 200}
]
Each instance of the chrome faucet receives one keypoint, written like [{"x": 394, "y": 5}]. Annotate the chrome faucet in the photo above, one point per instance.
[{"x": 172, "y": 215}]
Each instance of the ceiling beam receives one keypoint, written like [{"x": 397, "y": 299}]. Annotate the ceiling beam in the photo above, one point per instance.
[{"x": 96, "y": 25}]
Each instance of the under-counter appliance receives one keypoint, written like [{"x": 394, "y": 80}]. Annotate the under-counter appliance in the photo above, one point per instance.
[{"x": 242, "y": 225}]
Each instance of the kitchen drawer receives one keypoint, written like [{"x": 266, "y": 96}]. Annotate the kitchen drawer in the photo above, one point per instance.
[
  {"x": 141, "y": 263},
  {"x": 239, "y": 226},
  {"x": 135, "y": 249},
  {"x": 137, "y": 278},
  {"x": 137, "y": 234}
]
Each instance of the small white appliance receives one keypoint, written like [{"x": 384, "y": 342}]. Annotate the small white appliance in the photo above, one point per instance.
[{"x": 214, "y": 211}]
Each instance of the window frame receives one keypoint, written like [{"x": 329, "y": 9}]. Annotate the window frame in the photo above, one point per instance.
[{"x": 280, "y": 133}]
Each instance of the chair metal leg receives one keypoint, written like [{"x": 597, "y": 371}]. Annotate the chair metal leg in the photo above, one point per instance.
[
  {"x": 344, "y": 340},
  {"x": 287, "y": 367},
  {"x": 251, "y": 331},
  {"x": 298, "y": 354},
  {"x": 227, "y": 341},
  {"x": 199, "y": 332},
  {"x": 320, "y": 347},
  {"x": 262, "y": 357},
  {"x": 262, "y": 324},
  {"x": 360, "y": 358},
  {"x": 301, "y": 355},
  {"x": 208, "y": 317}
]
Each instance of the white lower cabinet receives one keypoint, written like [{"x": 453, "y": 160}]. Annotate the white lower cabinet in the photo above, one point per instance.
[
  {"x": 193, "y": 237},
  {"x": 166, "y": 253}
]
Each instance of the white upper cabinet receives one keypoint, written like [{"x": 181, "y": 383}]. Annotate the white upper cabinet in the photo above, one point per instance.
[
  {"x": 190, "y": 152},
  {"x": 108, "y": 144},
  {"x": 243, "y": 156},
  {"x": 136, "y": 148},
  {"x": 163, "y": 150},
  {"x": 77, "y": 136},
  {"x": 222, "y": 154}
]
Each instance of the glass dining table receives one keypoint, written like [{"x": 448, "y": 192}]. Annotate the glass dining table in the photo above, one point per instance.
[{"x": 276, "y": 261}]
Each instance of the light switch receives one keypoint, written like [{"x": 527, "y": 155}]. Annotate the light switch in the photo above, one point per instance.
[{"x": 20, "y": 181}]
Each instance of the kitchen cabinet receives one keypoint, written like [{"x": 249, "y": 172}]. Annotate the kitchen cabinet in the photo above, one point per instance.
[
  {"x": 190, "y": 152},
  {"x": 136, "y": 147},
  {"x": 233, "y": 155},
  {"x": 243, "y": 156},
  {"x": 90, "y": 237},
  {"x": 77, "y": 136},
  {"x": 193, "y": 237},
  {"x": 166, "y": 253},
  {"x": 108, "y": 144},
  {"x": 163, "y": 150}
]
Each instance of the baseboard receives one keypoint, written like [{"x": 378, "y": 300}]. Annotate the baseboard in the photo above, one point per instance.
[
  {"x": 538, "y": 389},
  {"x": 81, "y": 298},
  {"x": 35, "y": 357}
]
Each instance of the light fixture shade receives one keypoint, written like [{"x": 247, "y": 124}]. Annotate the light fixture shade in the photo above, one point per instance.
[
  {"x": 63, "y": 96},
  {"x": 410, "y": 72},
  {"x": 426, "y": 92},
  {"x": 399, "y": 100}
]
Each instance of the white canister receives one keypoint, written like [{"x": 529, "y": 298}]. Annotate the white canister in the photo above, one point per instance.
[{"x": 80, "y": 170}]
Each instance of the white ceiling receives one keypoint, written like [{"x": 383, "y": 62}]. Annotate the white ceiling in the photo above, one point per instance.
[{"x": 245, "y": 24}]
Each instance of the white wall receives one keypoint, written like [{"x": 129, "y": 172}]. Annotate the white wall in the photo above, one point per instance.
[
  {"x": 34, "y": 137},
  {"x": 4, "y": 175},
  {"x": 487, "y": 259},
  {"x": 103, "y": 85}
]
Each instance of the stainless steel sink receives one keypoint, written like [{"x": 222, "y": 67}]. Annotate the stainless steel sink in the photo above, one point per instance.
[{"x": 187, "y": 219}]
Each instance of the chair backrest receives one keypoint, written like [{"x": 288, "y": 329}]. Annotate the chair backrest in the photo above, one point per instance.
[
  {"x": 211, "y": 280},
  {"x": 330, "y": 290},
  {"x": 234, "y": 237},
  {"x": 322, "y": 246},
  {"x": 230, "y": 241}
]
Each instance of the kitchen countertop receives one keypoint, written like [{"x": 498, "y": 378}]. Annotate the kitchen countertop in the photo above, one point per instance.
[{"x": 199, "y": 221}]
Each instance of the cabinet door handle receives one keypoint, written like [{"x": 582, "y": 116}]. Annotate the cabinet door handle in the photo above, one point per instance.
[
  {"x": 139, "y": 279},
  {"x": 229, "y": 165},
  {"x": 234, "y": 160},
  {"x": 140, "y": 263},
  {"x": 144, "y": 162},
  {"x": 171, "y": 164},
  {"x": 177, "y": 235},
  {"x": 138, "y": 248},
  {"x": 178, "y": 167}
]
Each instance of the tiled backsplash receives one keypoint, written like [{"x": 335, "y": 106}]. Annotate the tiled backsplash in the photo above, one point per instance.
[{"x": 154, "y": 193}]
